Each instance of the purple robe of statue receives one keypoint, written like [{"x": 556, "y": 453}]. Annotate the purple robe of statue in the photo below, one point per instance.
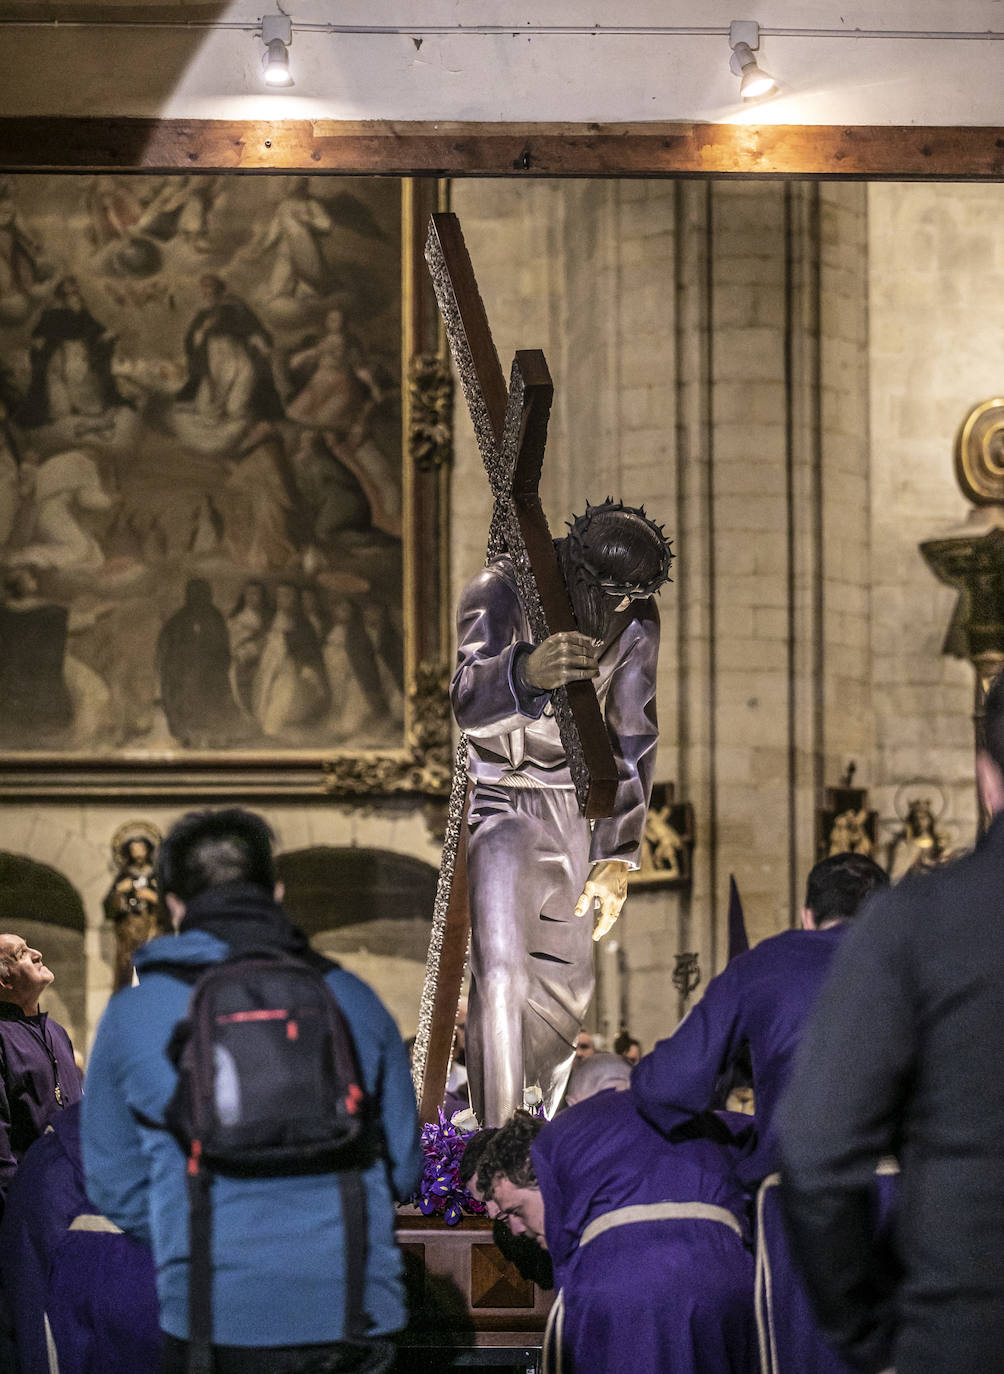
[
  {"x": 648, "y": 1242},
  {"x": 764, "y": 998}
]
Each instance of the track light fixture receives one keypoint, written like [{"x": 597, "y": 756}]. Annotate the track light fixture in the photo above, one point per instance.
[
  {"x": 744, "y": 39},
  {"x": 277, "y": 34}
]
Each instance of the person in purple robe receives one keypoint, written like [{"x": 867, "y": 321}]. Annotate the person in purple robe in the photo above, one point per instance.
[
  {"x": 75, "y": 1284},
  {"x": 535, "y": 866},
  {"x": 761, "y": 1003},
  {"x": 38, "y": 1074},
  {"x": 648, "y": 1240},
  {"x": 762, "y": 999}
]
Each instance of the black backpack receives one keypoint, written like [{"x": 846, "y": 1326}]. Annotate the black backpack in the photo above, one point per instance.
[{"x": 268, "y": 1084}]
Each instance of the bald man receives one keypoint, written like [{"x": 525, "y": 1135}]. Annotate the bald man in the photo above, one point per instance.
[{"x": 38, "y": 1074}]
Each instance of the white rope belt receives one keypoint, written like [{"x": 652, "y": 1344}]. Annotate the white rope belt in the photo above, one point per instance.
[
  {"x": 763, "y": 1298},
  {"x": 763, "y": 1295},
  {"x": 626, "y": 1216},
  {"x": 91, "y": 1221},
  {"x": 659, "y": 1211}
]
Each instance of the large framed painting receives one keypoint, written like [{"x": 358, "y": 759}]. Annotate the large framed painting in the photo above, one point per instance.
[{"x": 224, "y": 446}]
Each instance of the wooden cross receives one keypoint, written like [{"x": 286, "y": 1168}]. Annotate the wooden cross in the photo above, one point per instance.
[
  {"x": 510, "y": 425},
  {"x": 511, "y": 430}
]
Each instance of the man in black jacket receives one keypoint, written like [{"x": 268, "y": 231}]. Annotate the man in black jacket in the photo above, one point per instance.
[{"x": 902, "y": 1056}]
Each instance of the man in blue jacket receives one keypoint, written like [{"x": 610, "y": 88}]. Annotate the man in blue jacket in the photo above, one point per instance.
[{"x": 279, "y": 1246}]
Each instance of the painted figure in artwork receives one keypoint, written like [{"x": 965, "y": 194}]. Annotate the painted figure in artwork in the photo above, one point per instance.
[
  {"x": 22, "y": 267},
  {"x": 295, "y": 234},
  {"x": 536, "y": 867},
  {"x": 193, "y": 665},
  {"x": 290, "y": 686},
  {"x": 55, "y": 494},
  {"x": 229, "y": 359},
  {"x": 71, "y": 362},
  {"x": 247, "y": 626}
]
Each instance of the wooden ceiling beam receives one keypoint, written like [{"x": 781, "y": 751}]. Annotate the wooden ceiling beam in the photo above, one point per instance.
[{"x": 389, "y": 148}]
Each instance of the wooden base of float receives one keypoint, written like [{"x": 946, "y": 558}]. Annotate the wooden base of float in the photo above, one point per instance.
[{"x": 469, "y": 1307}]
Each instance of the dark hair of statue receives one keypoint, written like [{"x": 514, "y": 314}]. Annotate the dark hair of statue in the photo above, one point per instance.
[
  {"x": 210, "y": 848},
  {"x": 611, "y": 551},
  {"x": 508, "y": 1154},
  {"x": 838, "y": 886},
  {"x": 993, "y": 721}
]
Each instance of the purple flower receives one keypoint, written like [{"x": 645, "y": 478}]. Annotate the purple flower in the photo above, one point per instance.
[{"x": 440, "y": 1189}]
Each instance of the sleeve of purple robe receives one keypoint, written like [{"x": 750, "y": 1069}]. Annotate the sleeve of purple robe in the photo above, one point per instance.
[
  {"x": 45, "y": 1197},
  {"x": 857, "y": 1055},
  {"x": 8, "y": 1164},
  {"x": 676, "y": 1080}
]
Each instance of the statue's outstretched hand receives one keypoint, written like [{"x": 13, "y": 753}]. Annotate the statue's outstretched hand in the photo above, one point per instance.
[
  {"x": 565, "y": 657},
  {"x": 606, "y": 887}
]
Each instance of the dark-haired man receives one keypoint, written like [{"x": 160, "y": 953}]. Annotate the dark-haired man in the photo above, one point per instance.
[
  {"x": 38, "y": 1074},
  {"x": 903, "y": 1056},
  {"x": 280, "y": 1254},
  {"x": 535, "y": 865},
  {"x": 762, "y": 999},
  {"x": 646, "y": 1239}
]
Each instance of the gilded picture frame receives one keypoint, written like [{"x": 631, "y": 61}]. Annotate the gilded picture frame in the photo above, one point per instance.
[{"x": 225, "y": 439}]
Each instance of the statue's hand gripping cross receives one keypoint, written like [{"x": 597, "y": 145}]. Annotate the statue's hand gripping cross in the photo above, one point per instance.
[{"x": 510, "y": 425}]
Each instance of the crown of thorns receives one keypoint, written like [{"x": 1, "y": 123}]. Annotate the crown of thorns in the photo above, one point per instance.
[{"x": 578, "y": 535}]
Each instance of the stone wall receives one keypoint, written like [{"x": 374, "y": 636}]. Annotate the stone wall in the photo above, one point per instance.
[{"x": 936, "y": 256}]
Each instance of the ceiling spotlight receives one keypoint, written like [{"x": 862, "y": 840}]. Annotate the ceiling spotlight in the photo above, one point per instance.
[
  {"x": 277, "y": 34},
  {"x": 744, "y": 39}
]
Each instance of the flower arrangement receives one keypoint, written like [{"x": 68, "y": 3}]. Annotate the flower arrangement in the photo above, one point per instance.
[{"x": 440, "y": 1188}]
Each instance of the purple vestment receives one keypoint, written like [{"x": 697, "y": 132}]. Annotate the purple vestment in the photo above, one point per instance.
[
  {"x": 764, "y": 998},
  {"x": 36, "y": 1054},
  {"x": 529, "y": 850},
  {"x": 788, "y": 1332},
  {"x": 643, "y": 1294},
  {"x": 95, "y": 1288}
]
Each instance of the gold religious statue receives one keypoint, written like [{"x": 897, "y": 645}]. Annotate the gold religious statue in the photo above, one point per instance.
[
  {"x": 921, "y": 843},
  {"x": 132, "y": 901}
]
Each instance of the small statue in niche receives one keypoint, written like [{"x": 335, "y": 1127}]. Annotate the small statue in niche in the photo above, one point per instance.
[
  {"x": 921, "y": 843},
  {"x": 846, "y": 824},
  {"x": 132, "y": 901},
  {"x": 848, "y": 834},
  {"x": 662, "y": 845}
]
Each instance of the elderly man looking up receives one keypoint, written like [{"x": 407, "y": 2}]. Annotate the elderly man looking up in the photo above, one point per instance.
[
  {"x": 38, "y": 1075},
  {"x": 612, "y": 1201}
]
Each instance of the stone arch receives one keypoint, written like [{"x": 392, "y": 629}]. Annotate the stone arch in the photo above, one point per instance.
[
  {"x": 371, "y": 909},
  {"x": 30, "y": 890},
  {"x": 38, "y": 903}
]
